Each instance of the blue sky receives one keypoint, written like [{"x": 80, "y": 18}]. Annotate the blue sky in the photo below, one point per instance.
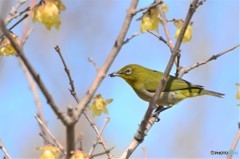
[{"x": 191, "y": 129}]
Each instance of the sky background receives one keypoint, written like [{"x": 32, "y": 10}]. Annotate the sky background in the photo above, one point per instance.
[{"x": 191, "y": 129}]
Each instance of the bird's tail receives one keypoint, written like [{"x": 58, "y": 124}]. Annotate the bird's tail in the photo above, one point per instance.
[{"x": 212, "y": 93}]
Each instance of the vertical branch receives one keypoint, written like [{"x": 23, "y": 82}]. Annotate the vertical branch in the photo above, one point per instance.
[
  {"x": 70, "y": 131},
  {"x": 143, "y": 128}
]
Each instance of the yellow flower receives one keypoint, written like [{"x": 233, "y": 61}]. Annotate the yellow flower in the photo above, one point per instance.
[
  {"x": 58, "y": 3},
  {"x": 49, "y": 152},
  {"x": 6, "y": 47},
  {"x": 48, "y": 13},
  {"x": 150, "y": 20},
  {"x": 78, "y": 154},
  {"x": 99, "y": 105},
  {"x": 188, "y": 34}
]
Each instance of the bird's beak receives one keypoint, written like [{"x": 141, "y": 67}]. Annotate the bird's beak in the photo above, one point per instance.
[{"x": 114, "y": 74}]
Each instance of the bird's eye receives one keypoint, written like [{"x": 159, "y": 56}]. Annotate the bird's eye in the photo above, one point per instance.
[{"x": 128, "y": 71}]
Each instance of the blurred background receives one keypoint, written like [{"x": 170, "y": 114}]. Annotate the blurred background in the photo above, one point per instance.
[{"x": 191, "y": 129}]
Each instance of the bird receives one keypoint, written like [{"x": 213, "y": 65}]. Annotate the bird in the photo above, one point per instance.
[{"x": 144, "y": 82}]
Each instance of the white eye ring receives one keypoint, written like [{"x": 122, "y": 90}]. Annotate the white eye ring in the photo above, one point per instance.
[{"x": 128, "y": 71}]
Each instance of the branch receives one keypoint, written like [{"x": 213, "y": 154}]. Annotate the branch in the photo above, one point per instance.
[
  {"x": 147, "y": 8},
  {"x": 13, "y": 13},
  {"x": 71, "y": 82},
  {"x": 99, "y": 136},
  {"x": 73, "y": 93},
  {"x": 50, "y": 134},
  {"x": 108, "y": 62},
  {"x": 94, "y": 63},
  {"x": 145, "y": 126},
  {"x": 185, "y": 70},
  {"x": 160, "y": 38},
  {"x": 234, "y": 145},
  {"x": 63, "y": 117},
  {"x": 6, "y": 155},
  {"x": 165, "y": 26},
  {"x": 130, "y": 38},
  {"x": 102, "y": 153}
]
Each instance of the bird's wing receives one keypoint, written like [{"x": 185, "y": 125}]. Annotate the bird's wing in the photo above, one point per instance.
[{"x": 172, "y": 84}]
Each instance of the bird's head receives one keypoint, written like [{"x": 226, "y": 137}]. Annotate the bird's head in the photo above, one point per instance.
[{"x": 131, "y": 73}]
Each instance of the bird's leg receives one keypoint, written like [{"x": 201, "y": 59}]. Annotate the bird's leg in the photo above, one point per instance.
[{"x": 158, "y": 110}]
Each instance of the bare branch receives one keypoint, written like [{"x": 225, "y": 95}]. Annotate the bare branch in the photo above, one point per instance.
[
  {"x": 63, "y": 117},
  {"x": 103, "y": 143},
  {"x": 99, "y": 137},
  {"x": 165, "y": 26},
  {"x": 13, "y": 13},
  {"x": 185, "y": 70},
  {"x": 144, "y": 126},
  {"x": 159, "y": 38},
  {"x": 234, "y": 145},
  {"x": 71, "y": 82},
  {"x": 102, "y": 153},
  {"x": 2, "y": 147},
  {"x": 108, "y": 62},
  {"x": 50, "y": 134},
  {"x": 144, "y": 152},
  {"x": 73, "y": 93},
  {"x": 146, "y": 8},
  {"x": 94, "y": 63},
  {"x": 130, "y": 38}
]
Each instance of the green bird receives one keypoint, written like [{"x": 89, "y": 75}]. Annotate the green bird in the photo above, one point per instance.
[{"x": 144, "y": 82}]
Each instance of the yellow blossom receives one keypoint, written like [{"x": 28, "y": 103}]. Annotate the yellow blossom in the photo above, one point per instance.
[
  {"x": 58, "y": 3},
  {"x": 188, "y": 34},
  {"x": 48, "y": 13},
  {"x": 78, "y": 154},
  {"x": 49, "y": 152},
  {"x": 99, "y": 105},
  {"x": 6, "y": 47},
  {"x": 150, "y": 20}
]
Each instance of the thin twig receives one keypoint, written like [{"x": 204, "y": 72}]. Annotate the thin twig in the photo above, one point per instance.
[
  {"x": 98, "y": 138},
  {"x": 165, "y": 26},
  {"x": 93, "y": 125},
  {"x": 234, "y": 145},
  {"x": 13, "y": 13},
  {"x": 50, "y": 134},
  {"x": 102, "y": 153},
  {"x": 80, "y": 141},
  {"x": 146, "y": 8},
  {"x": 108, "y": 62},
  {"x": 94, "y": 63},
  {"x": 73, "y": 93},
  {"x": 71, "y": 82},
  {"x": 2, "y": 147},
  {"x": 159, "y": 38},
  {"x": 145, "y": 124},
  {"x": 130, "y": 38},
  {"x": 185, "y": 70},
  {"x": 144, "y": 152},
  {"x": 26, "y": 36},
  {"x": 45, "y": 138},
  {"x": 63, "y": 117},
  {"x": 33, "y": 86}
]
